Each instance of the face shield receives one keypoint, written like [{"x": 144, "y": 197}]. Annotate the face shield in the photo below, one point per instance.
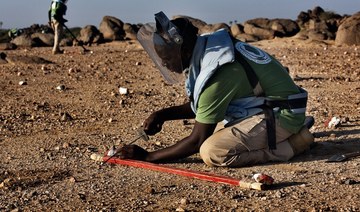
[{"x": 162, "y": 42}]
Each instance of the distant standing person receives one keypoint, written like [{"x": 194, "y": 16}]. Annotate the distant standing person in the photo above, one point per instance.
[{"x": 56, "y": 12}]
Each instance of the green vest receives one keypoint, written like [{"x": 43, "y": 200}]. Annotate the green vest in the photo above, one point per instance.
[{"x": 57, "y": 11}]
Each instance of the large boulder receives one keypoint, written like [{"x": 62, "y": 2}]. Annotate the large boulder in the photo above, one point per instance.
[
  {"x": 316, "y": 13},
  {"x": 264, "y": 28},
  {"x": 47, "y": 39},
  {"x": 213, "y": 27},
  {"x": 236, "y": 29},
  {"x": 246, "y": 37},
  {"x": 24, "y": 40},
  {"x": 68, "y": 42},
  {"x": 130, "y": 31},
  {"x": 303, "y": 18},
  {"x": 3, "y": 58},
  {"x": 112, "y": 28},
  {"x": 258, "y": 28},
  {"x": 7, "y": 46},
  {"x": 194, "y": 21},
  {"x": 349, "y": 31},
  {"x": 320, "y": 24},
  {"x": 284, "y": 27},
  {"x": 90, "y": 34}
]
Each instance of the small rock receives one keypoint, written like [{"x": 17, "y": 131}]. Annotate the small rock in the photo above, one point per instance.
[
  {"x": 65, "y": 117},
  {"x": 350, "y": 182},
  {"x": 150, "y": 190},
  {"x": 184, "y": 201},
  {"x": 22, "y": 83},
  {"x": 15, "y": 210},
  {"x": 5, "y": 184},
  {"x": 332, "y": 123},
  {"x": 112, "y": 151},
  {"x": 123, "y": 91},
  {"x": 66, "y": 145},
  {"x": 72, "y": 180},
  {"x": 180, "y": 209},
  {"x": 60, "y": 87},
  {"x": 91, "y": 149},
  {"x": 113, "y": 93},
  {"x": 49, "y": 156},
  {"x": 138, "y": 63},
  {"x": 96, "y": 157}
]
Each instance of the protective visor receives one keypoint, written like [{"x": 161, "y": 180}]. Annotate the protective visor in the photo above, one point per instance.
[{"x": 163, "y": 44}]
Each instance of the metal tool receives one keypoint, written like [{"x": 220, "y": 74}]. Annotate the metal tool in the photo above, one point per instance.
[
  {"x": 67, "y": 29},
  {"x": 342, "y": 157},
  {"x": 141, "y": 134}
]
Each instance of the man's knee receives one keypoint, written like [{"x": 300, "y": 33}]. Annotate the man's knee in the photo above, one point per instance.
[
  {"x": 205, "y": 154},
  {"x": 208, "y": 154}
]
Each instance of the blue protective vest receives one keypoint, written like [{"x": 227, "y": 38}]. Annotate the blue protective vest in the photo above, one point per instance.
[{"x": 210, "y": 52}]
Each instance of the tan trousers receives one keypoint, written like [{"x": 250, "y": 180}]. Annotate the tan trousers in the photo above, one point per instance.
[
  {"x": 245, "y": 144},
  {"x": 58, "y": 30}
]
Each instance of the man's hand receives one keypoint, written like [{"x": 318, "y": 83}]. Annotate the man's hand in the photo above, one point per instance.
[
  {"x": 132, "y": 152},
  {"x": 153, "y": 124}
]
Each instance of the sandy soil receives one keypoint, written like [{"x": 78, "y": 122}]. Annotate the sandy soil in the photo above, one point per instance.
[{"x": 69, "y": 107}]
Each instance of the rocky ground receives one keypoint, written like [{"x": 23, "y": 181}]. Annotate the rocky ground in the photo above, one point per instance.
[{"x": 57, "y": 110}]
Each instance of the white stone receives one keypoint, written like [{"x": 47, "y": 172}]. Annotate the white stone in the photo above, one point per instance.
[{"x": 123, "y": 91}]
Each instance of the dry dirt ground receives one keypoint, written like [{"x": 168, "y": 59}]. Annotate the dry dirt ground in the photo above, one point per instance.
[{"x": 69, "y": 107}]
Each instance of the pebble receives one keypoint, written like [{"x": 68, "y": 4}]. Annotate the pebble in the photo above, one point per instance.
[
  {"x": 66, "y": 145},
  {"x": 112, "y": 151},
  {"x": 65, "y": 117},
  {"x": 96, "y": 157},
  {"x": 123, "y": 91},
  {"x": 22, "y": 83},
  {"x": 113, "y": 93},
  {"x": 350, "y": 182},
  {"x": 72, "y": 180},
  {"x": 60, "y": 87},
  {"x": 180, "y": 209},
  {"x": 150, "y": 190},
  {"x": 184, "y": 201}
]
